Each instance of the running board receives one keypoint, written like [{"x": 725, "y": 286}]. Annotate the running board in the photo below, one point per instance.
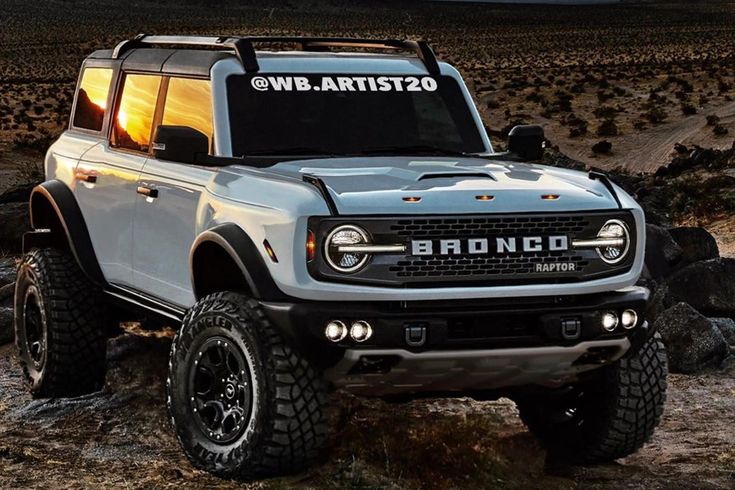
[{"x": 145, "y": 302}]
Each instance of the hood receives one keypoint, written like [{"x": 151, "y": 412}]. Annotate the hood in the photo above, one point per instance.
[{"x": 380, "y": 185}]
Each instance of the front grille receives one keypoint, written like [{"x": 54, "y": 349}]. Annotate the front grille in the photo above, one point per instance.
[
  {"x": 479, "y": 266},
  {"x": 513, "y": 264},
  {"x": 492, "y": 268}
]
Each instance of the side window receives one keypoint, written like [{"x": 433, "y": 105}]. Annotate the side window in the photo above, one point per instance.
[
  {"x": 92, "y": 98},
  {"x": 134, "y": 118},
  {"x": 189, "y": 103}
]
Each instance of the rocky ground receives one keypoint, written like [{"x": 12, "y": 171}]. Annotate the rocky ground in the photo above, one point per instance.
[{"x": 121, "y": 437}]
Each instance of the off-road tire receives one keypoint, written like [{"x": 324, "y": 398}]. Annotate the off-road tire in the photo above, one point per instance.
[
  {"x": 616, "y": 410},
  {"x": 287, "y": 425},
  {"x": 72, "y": 359}
]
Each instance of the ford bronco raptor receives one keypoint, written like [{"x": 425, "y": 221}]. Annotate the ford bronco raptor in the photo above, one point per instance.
[{"x": 332, "y": 215}]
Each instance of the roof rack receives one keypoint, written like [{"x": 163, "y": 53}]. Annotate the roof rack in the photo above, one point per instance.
[{"x": 245, "y": 52}]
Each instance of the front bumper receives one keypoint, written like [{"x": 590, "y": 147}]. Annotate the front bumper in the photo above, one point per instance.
[{"x": 462, "y": 345}]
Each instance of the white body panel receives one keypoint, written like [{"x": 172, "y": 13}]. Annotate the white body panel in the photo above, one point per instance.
[
  {"x": 108, "y": 206},
  {"x": 165, "y": 228},
  {"x": 274, "y": 203}
]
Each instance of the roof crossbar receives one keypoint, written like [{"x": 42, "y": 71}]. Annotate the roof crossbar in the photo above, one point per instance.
[{"x": 245, "y": 51}]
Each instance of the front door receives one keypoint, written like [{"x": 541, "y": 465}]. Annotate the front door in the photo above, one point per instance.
[{"x": 167, "y": 214}]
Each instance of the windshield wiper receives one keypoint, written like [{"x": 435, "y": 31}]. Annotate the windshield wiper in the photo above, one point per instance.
[
  {"x": 415, "y": 150},
  {"x": 293, "y": 151}
]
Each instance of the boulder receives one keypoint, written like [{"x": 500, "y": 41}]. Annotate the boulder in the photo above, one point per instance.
[
  {"x": 18, "y": 193},
  {"x": 693, "y": 341},
  {"x": 662, "y": 252},
  {"x": 727, "y": 327},
  {"x": 14, "y": 222},
  {"x": 696, "y": 243},
  {"x": 659, "y": 301},
  {"x": 7, "y": 333},
  {"x": 7, "y": 270},
  {"x": 709, "y": 286}
]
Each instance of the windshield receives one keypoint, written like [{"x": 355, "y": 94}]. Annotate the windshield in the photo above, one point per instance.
[{"x": 349, "y": 114}]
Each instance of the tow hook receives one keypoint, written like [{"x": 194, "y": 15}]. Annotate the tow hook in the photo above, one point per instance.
[{"x": 415, "y": 335}]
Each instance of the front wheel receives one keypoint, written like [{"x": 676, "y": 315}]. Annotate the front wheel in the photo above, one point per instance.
[
  {"x": 609, "y": 416},
  {"x": 243, "y": 403}
]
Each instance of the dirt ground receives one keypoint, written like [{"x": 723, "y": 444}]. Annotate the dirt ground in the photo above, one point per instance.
[{"x": 121, "y": 437}]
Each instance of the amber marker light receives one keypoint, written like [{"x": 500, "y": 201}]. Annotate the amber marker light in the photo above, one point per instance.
[
  {"x": 412, "y": 199},
  {"x": 269, "y": 251},
  {"x": 485, "y": 198},
  {"x": 310, "y": 245},
  {"x": 550, "y": 197}
]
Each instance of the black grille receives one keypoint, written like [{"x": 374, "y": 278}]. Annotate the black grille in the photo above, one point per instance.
[
  {"x": 519, "y": 225},
  {"x": 488, "y": 269},
  {"x": 480, "y": 266},
  {"x": 513, "y": 264}
]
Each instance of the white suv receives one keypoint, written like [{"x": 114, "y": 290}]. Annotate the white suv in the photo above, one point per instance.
[{"x": 315, "y": 219}]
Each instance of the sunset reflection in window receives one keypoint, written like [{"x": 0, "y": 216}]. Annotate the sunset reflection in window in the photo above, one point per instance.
[
  {"x": 135, "y": 112},
  {"x": 92, "y": 98},
  {"x": 189, "y": 103}
]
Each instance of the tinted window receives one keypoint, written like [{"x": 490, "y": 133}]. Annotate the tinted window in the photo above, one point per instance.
[
  {"x": 134, "y": 117},
  {"x": 348, "y": 114},
  {"x": 92, "y": 98},
  {"x": 189, "y": 103}
]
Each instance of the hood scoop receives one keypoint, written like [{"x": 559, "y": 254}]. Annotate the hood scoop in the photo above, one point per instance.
[{"x": 456, "y": 175}]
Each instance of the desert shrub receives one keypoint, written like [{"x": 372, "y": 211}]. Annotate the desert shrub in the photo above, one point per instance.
[
  {"x": 713, "y": 120},
  {"x": 602, "y": 147},
  {"x": 720, "y": 130},
  {"x": 655, "y": 115},
  {"x": 688, "y": 109},
  {"x": 579, "y": 129},
  {"x": 604, "y": 96},
  {"x": 608, "y": 128},
  {"x": 605, "y": 112}
]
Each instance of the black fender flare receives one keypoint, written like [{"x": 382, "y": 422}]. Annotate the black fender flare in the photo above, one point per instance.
[
  {"x": 53, "y": 205},
  {"x": 243, "y": 251}
]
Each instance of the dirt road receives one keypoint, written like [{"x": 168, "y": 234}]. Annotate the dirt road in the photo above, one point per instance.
[
  {"x": 647, "y": 151},
  {"x": 121, "y": 437}
]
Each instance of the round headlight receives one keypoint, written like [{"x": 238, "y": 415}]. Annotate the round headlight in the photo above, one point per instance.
[
  {"x": 616, "y": 233},
  {"x": 344, "y": 236}
]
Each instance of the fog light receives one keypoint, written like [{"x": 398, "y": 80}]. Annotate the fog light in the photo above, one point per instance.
[
  {"x": 628, "y": 319},
  {"x": 609, "y": 321},
  {"x": 361, "y": 331},
  {"x": 336, "y": 331}
]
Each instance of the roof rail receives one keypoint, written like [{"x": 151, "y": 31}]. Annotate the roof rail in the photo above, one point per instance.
[{"x": 245, "y": 52}]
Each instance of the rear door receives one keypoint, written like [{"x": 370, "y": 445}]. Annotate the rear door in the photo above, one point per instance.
[
  {"x": 167, "y": 213},
  {"x": 107, "y": 174}
]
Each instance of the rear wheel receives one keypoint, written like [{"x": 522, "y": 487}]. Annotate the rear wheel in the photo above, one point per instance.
[
  {"x": 59, "y": 330},
  {"x": 609, "y": 416},
  {"x": 243, "y": 403}
]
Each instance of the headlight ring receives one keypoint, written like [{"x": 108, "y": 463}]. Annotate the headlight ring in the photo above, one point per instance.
[
  {"x": 346, "y": 262},
  {"x": 614, "y": 229}
]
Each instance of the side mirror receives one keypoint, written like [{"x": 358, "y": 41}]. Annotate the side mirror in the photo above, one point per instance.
[
  {"x": 527, "y": 142},
  {"x": 180, "y": 144}
]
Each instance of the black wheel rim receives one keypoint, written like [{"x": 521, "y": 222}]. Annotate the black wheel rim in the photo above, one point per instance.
[
  {"x": 220, "y": 390},
  {"x": 34, "y": 328}
]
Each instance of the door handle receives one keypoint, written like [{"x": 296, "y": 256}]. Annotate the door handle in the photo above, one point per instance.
[
  {"x": 147, "y": 192},
  {"x": 85, "y": 177}
]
